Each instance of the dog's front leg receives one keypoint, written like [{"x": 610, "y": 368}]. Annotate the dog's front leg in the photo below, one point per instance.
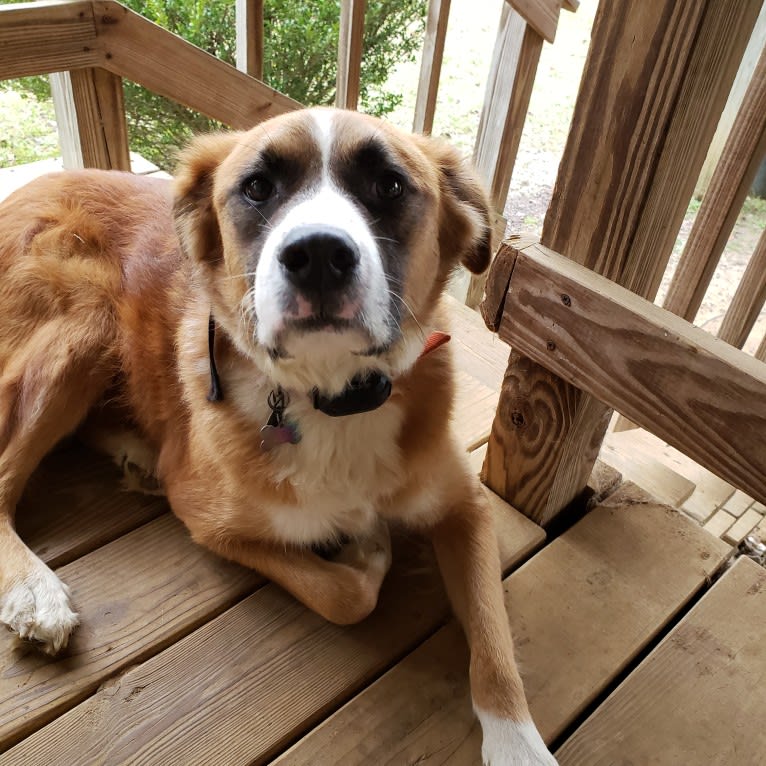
[
  {"x": 343, "y": 590},
  {"x": 467, "y": 551}
]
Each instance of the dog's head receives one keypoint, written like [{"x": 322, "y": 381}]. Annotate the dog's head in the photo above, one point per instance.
[{"x": 324, "y": 238}]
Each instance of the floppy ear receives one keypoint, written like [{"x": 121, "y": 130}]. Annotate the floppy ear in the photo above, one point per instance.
[
  {"x": 195, "y": 217},
  {"x": 465, "y": 227}
]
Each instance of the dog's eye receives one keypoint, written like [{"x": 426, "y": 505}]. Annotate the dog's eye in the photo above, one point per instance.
[
  {"x": 258, "y": 189},
  {"x": 389, "y": 186}
]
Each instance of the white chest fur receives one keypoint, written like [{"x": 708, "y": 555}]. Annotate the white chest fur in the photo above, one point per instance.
[{"x": 340, "y": 470}]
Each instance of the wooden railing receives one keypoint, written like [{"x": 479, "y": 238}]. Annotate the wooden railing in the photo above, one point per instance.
[
  {"x": 93, "y": 45},
  {"x": 653, "y": 89}
]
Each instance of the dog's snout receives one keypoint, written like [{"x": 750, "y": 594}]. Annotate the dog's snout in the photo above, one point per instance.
[{"x": 319, "y": 258}]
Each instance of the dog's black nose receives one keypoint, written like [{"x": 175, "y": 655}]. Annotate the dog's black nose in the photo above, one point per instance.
[{"x": 319, "y": 259}]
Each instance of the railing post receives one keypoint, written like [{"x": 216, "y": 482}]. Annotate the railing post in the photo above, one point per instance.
[
  {"x": 249, "y": 31},
  {"x": 90, "y": 112},
  {"x": 653, "y": 88},
  {"x": 431, "y": 65},
  {"x": 350, "y": 44},
  {"x": 732, "y": 178}
]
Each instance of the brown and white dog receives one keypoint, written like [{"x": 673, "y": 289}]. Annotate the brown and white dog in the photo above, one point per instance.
[{"x": 299, "y": 267}]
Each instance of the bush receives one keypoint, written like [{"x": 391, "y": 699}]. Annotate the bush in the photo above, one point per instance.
[{"x": 301, "y": 42}]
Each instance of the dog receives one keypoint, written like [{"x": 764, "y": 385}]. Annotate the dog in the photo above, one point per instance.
[{"x": 260, "y": 332}]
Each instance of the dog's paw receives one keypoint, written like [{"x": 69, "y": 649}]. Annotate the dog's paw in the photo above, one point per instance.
[
  {"x": 38, "y": 609},
  {"x": 511, "y": 743}
]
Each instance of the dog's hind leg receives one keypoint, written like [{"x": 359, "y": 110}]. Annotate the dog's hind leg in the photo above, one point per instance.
[{"x": 47, "y": 387}]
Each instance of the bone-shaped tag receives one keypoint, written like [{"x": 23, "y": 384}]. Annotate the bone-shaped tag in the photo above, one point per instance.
[{"x": 273, "y": 436}]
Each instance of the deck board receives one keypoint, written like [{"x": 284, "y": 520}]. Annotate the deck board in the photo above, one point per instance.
[
  {"x": 581, "y": 610},
  {"x": 245, "y": 684},
  {"x": 75, "y": 502},
  {"x": 135, "y": 596},
  {"x": 700, "y": 697}
]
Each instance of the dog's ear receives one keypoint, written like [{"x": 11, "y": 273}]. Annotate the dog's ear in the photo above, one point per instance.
[
  {"x": 465, "y": 225},
  {"x": 193, "y": 209}
]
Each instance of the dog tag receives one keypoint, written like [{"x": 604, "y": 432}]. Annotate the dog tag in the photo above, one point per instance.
[{"x": 273, "y": 436}]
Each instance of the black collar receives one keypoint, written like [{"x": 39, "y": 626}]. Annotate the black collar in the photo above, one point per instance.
[{"x": 363, "y": 394}]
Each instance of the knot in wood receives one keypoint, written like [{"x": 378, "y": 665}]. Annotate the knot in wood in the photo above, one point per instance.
[
  {"x": 566, "y": 300},
  {"x": 517, "y": 419}
]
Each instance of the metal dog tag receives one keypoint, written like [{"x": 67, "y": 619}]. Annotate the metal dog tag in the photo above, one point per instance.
[{"x": 273, "y": 436}]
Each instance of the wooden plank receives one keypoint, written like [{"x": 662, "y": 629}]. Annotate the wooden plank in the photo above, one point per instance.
[
  {"x": 135, "y": 596},
  {"x": 719, "y": 522},
  {"x": 699, "y": 394},
  {"x": 648, "y": 473},
  {"x": 90, "y": 115},
  {"x": 733, "y": 103},
  {"x": 639, "y": 64},
  {"x": 43, "y": 37},
  {"x": 284, "y": 668},
  {"x": 541, "y": 15},
  {"x": 350, "y": 49},
  {"x": 249, "y": 23},
  {"x": 742, "y": 527},
  {"x": 720, "y": 207},
  {"x": 581, "y": 610},
  {"x": 699, "y": 697},
  {"x": 710, "y": 491},
  {"x": 431, "y": 65},
  {"x": 477, "y": 351},
  {"x": 474, "y": 410},
  {"x": 165, "y": 64},
  {"x": 506, "y": 103},
  {"x": 76, "y": 502},
  {"x": 745, "y": 307},
  {"x": 722, "y": 37}
]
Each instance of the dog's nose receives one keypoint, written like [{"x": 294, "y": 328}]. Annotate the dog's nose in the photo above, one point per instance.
[{"x": 319, "y": 259}]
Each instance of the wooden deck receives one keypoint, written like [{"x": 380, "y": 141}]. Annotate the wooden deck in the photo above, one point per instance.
[{"x": 184, "y": 659}]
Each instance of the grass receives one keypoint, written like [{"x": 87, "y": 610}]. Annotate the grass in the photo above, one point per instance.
[{"x": 27, "y": 129}]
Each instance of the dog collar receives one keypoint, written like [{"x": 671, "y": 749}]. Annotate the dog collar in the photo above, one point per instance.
[{"x": 364, "y": 393}]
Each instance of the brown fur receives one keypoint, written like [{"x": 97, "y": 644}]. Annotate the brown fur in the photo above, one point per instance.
[{"x": 101, "y": 300}]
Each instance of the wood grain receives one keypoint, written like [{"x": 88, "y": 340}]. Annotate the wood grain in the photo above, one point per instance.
[
  {"x": 512, "y": 70},
  {"x": 135, "y": 596},
  {"x": 506, "y": 103},
  {"x": 647, "y": 472},
  {"x": 245, "y": 684},
  {"x": 699, "y": 697},
  {"x": 733, "y": 176},
  {"x": 541, "y": 15},
  {"x": 90, "y": 116},
  {"x": 748, "y": 300},
  {"x": 75, "y": 502},
  {"x": 165, "y": 64},
  {"x": 699, "y": 394},
  {"x": 644, "y": 66},
  {"x": 761, "y": 350},
  {"x": 350, "y": 49},
  {"x": 499, "y": 277},
  {"x": 249, "y": 21},
  {"x": 581, "y": 610},
  {"x": 722, "y": 37},
  {"x": 431, "y": 65},
  {"x": 43, "y": 37}
]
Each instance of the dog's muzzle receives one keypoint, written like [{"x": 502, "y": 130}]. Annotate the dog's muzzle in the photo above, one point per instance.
[{"x": 320, "y": 263}]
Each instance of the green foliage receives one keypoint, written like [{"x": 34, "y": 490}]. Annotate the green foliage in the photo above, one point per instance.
[{"x": 301, "y": 44}]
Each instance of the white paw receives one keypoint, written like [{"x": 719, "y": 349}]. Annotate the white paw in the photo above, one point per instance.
[
  {"x": 38, "y": 609},
  {"x": 510, "y": 743}
]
